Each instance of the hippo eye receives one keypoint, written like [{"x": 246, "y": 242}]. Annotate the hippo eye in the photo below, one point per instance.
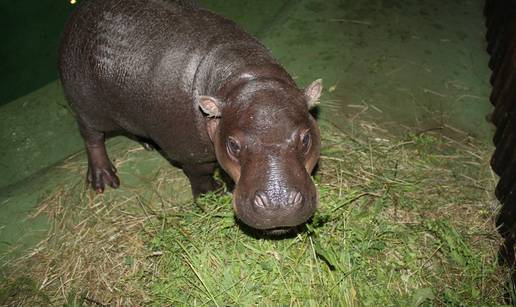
[
  {"x": 233, "y": 147},
  {"x": 306, "y": 141}
]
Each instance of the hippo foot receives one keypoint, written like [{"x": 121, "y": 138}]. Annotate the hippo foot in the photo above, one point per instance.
[
  {"x": 205, "y": 186},
  {"x": 201, "y": 178},
  {"x": 99, "y": 177}
]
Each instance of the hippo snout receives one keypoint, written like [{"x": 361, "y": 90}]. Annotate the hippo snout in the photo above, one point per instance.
[{"x": 265, "y": 212}]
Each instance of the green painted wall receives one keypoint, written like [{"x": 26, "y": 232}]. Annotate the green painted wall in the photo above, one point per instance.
[{"x": 30, "y": 34}]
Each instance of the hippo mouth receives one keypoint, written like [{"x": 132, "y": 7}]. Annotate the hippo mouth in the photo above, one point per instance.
[
  {"x": 276, "y": 232},
  {"x": 271, "y": 233}
]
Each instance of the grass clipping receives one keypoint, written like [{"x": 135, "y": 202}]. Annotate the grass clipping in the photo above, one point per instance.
[{"x": 401, "y": 221}]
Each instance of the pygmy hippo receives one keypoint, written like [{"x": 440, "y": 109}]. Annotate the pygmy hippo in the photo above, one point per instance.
[{"x": 204, "y": 91}]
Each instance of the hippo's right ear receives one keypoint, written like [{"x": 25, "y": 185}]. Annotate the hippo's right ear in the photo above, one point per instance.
[
  {"x": 313, "y": 92},
  {"x": 210, "y": 106}
]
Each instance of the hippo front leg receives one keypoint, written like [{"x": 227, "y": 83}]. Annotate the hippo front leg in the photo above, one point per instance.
[
  {"x": 101, "y": 171},
  {"x": 201, "y": 178}
]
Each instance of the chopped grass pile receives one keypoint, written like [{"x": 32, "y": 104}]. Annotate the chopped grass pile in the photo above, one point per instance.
[{"x": 401, "y": 221}]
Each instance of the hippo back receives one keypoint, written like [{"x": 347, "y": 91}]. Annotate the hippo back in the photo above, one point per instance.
[{"x": 138, "y": 65}]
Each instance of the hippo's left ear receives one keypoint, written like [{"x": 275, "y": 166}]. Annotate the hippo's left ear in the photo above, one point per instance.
[
  {"x": 210, "y": 105},
  {"x": 313, "y": 92}
]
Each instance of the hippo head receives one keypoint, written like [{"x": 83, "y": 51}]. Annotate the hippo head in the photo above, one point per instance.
[{"x": 268, "y": 142}]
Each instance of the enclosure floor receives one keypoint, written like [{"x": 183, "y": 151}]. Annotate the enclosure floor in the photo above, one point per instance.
[{"x": 413, "y": 63}]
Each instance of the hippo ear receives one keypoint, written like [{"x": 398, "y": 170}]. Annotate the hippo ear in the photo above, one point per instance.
[
  {"x": 211, "y": 127},
  {"x": 313, "y": 92},
  {"x": 210, "y": 106}
]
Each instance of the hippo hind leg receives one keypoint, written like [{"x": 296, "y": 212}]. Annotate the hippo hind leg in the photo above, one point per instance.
[
  {"x": 101, "y": 171},
  {"x": 201, "y": 178}
]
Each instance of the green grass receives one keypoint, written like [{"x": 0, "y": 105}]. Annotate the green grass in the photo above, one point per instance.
[
  {"x": 402, "y": 221},
  {"x": 390, "y": 230}
]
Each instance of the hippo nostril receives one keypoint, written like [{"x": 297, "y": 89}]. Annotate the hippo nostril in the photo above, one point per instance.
[
  {"x": 294, "y": 199},
  {"x": 291, "y": 197},
  {"x": 298, "y": 199},
  {"x": 261, "y": 200}
]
